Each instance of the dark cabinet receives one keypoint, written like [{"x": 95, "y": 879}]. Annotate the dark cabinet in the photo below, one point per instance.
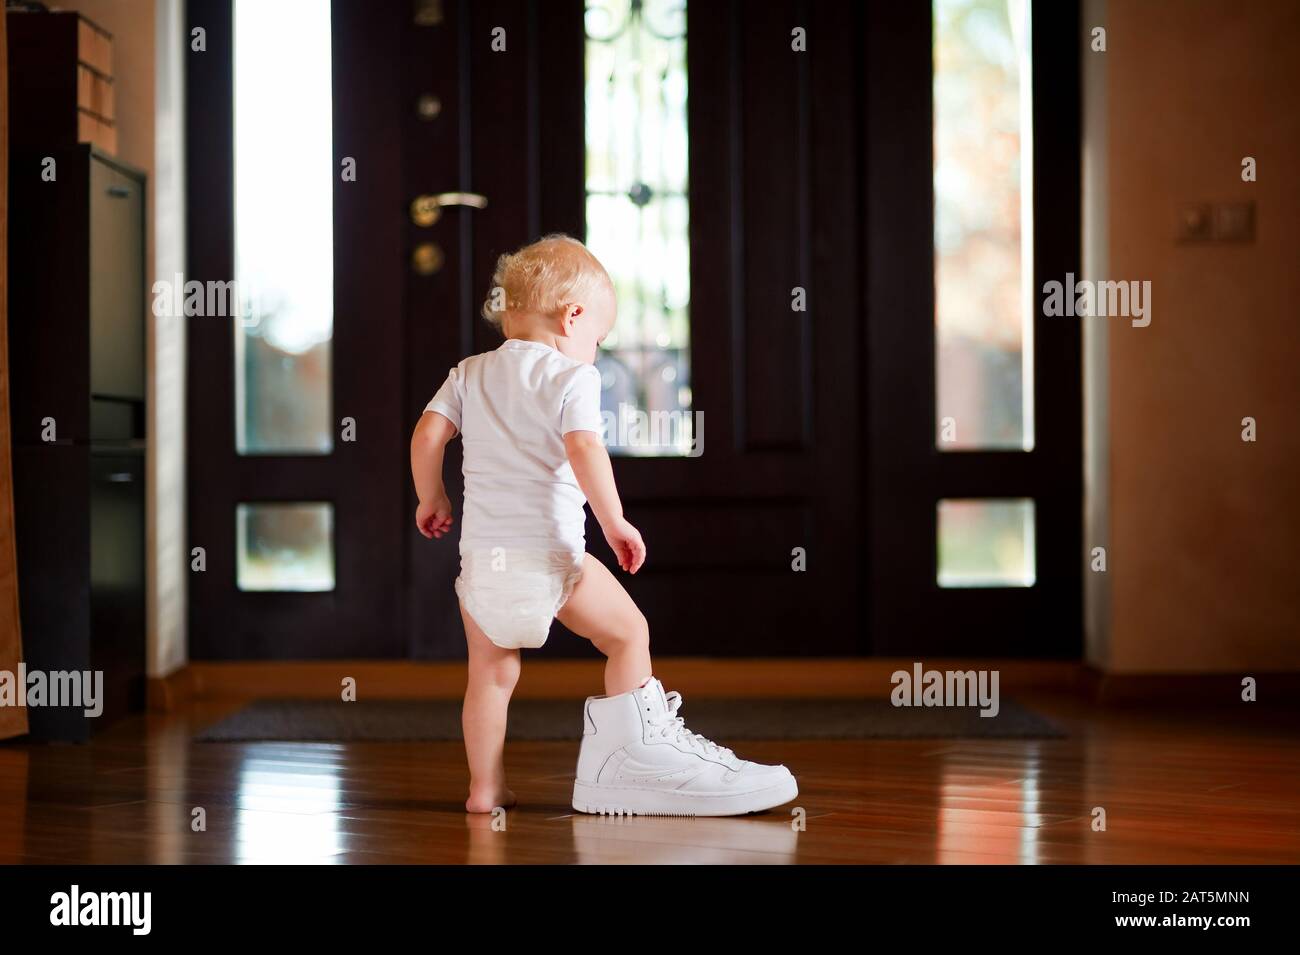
[{"x": 77, "y": 394}]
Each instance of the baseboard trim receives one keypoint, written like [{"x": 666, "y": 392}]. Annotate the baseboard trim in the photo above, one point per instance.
[
  {"x": 550, "y": 679},
  {"x": 1209, "y": 689},
  {"x": 701, "y": 676}
]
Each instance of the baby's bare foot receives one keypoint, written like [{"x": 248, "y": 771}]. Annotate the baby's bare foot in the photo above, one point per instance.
[{"x": 490, "y": 800}]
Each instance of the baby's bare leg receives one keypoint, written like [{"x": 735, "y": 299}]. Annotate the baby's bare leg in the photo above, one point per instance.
[
  {"x": 493, "y": 673},
  {"x": 600, "y": 610}
]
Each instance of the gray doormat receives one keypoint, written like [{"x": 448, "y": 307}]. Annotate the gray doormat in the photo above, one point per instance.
[{"x": 720, "y": 720}]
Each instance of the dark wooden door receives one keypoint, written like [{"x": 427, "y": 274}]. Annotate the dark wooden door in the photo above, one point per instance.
[{"x": 754, "y": 545}]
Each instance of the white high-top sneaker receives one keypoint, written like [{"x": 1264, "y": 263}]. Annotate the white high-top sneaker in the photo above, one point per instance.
[{"x": 638, "y": 757}]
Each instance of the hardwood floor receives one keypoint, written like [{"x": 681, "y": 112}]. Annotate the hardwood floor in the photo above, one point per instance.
[{"x": 1177, "y": 787}]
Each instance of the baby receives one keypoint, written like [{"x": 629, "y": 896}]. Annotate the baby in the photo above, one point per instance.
[{"x": 529, "y": 416}]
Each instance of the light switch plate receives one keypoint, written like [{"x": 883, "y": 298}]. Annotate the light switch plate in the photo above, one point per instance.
[
  {"x": 1216, "y": 222},
  {"x": 1234, "y": 221}
]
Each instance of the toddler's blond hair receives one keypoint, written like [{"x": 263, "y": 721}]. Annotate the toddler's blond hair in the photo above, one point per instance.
[{"x": 543, "y": 277}]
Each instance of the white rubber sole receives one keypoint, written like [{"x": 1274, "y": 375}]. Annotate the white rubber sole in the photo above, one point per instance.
[{"x": 618, "y": 801}]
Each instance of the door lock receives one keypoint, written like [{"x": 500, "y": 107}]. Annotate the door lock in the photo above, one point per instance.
[
  {"x": 427, "y": 209},
  {"x": 427, "y": 258}
]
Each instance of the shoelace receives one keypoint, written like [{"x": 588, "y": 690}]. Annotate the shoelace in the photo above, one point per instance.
[{"x": 673, "y": 726}]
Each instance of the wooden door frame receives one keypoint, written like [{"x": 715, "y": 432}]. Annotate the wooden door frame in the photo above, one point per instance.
[
  {"x": 13, "y": 719},
  {"x": 890, "y": 224}
]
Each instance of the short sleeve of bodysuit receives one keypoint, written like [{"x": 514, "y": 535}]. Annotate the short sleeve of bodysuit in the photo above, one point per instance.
[
  {"x": 447, "y": 400},
  {"x": 581, "y": 406}
]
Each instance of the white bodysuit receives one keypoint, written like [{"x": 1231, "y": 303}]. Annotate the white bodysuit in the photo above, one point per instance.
[{"x": 523, "y": 529}]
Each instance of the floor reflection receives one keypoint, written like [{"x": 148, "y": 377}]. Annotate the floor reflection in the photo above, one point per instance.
[
  {"x": 286, "y": 809},
  {"x": 660, "y": 840},
  {"x": 986, "y": 814}
]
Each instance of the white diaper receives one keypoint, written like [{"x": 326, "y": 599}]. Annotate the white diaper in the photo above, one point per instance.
[{"x": 514, "y": 594}]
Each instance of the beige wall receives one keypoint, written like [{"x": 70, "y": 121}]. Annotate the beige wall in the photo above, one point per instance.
[
  {"x": 1203, "y": 528},
  {"x": 148, "y": 90}
]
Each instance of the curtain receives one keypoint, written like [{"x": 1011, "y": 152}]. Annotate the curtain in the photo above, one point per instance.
[{"x": 13, "y": 719}]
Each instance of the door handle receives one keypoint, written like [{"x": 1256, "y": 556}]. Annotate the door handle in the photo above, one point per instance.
[{"x": 427, "y": 209}]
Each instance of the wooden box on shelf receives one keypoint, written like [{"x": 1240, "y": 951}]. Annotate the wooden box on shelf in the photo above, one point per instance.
[{"x": 60, "y": 82}]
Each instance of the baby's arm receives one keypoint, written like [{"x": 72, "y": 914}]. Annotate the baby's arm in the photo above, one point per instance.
[
  {"x": 595, "y": 474},
  {"x": 433, "y": 516}
]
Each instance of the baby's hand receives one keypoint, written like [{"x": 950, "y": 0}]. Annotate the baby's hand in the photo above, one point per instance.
[
  {"x": 627, "y": 544},
  {"x": 433, "y": 517}
]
